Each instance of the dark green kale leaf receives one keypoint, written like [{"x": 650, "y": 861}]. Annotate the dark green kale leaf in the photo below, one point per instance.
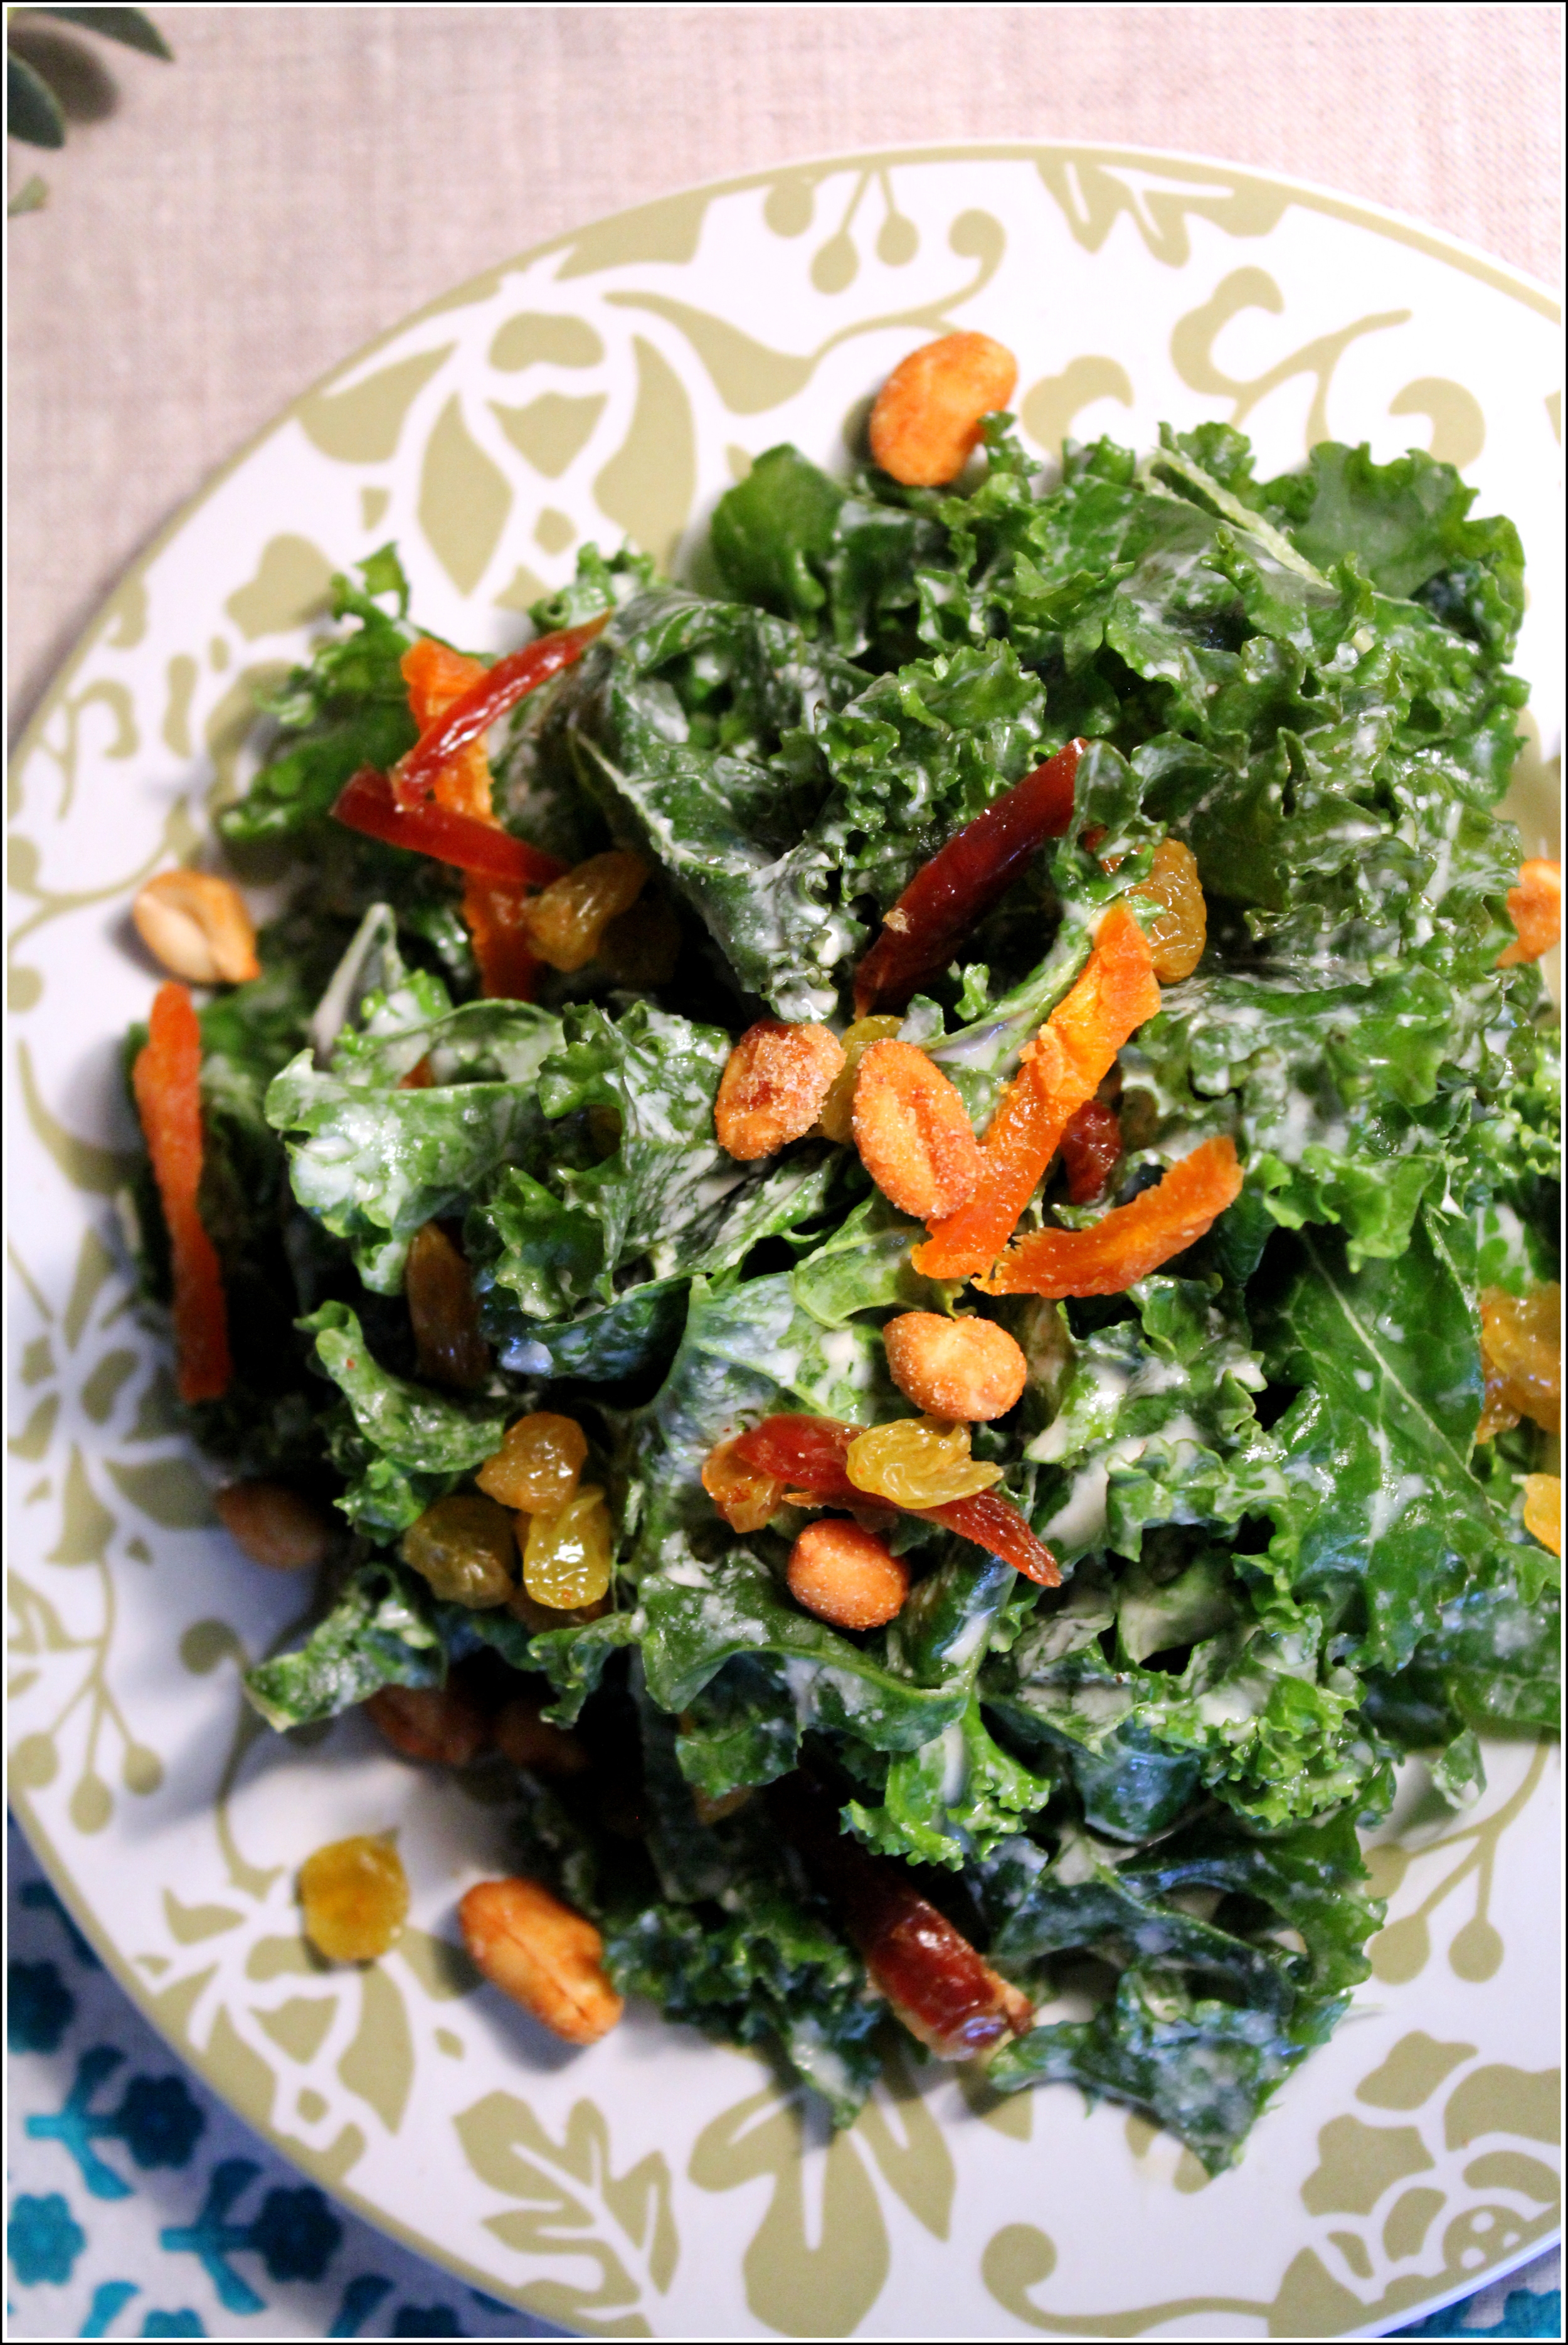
[
  {"x": 377, "y": 1160},
  {"x": 1208, "y": 2016},
  {"x": 345, "y": 708},
  {"x": 399, "y": 1446},
  {"x": 381, "y": 1631},
  {"x": 1385, "y": 1364},
  {"x": 630, "y": 1172},
  {"x": 679, "y": 718}
]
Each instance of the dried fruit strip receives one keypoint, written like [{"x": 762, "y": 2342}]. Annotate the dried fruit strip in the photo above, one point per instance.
[
  {"x": 1132, "y": 1240},
  {"x": 166, "y": 1083},
  {"x": 1063, "y": 1068}
]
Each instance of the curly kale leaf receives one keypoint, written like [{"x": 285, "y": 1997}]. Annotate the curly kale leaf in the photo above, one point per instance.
[
  {"x": 344, "y": 708},
  {"x": 381, "y": 1631},
  {"x": 630, "y": 1173},
  {"x": 1208, "y": 2016},
  {"x": 377, "y": 1160},
  {"x": 399, "y": 1446}
]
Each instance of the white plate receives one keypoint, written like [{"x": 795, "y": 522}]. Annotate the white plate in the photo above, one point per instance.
[{"x": 611, "y": 382}]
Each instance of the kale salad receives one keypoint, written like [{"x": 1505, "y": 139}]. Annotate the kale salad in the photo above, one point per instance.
[{"x": 888, "y": 1225}]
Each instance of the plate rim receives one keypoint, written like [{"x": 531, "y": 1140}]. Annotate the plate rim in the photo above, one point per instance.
[{"x": 1399, "y": 227}]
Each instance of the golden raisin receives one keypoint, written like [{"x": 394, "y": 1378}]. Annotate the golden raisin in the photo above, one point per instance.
[
  {"x": 440, "y": 1725},
  {"x": 529, "y": 1741},
  {"x": 914, "y": 1463},
  {"x": 913, "y": 1132},
  {"x": 274, "y": 1525},
  {"x": 536, "y": 1470},
  {"x": 1535, "y": 907},
  {"x": 773, "y": 1086},
  {"x": 956, "y": 1369},
  {"x": 567, "y": 1556},
  {"x": 1179, "y": 929},
  {"x": 929, "y": 412},
  {"x": 544, "y": 1956},
  {"x": 444, "y": 1314},
  {"x": 1520, "y": 1351},
  {"x": 846, "y": 1576},
  {"x": 355, "y": 1898},
  {"x": 566, "y": 919},
  {"x": 464, "y": 1546},
  {"x": 1543, "y": 1509},
  {"x": 838, "y": 1107},
  {"x": 744, "y": 1495}
]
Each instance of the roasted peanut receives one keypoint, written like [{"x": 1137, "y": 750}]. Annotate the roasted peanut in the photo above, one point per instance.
[
  {"x": 529, "y": 1741},
  {"x": 464, "y": 1546},
  {"x": 960, "y": 1369},
  {"x": 913, "y": 1132},
  {"x": 274, "y": 1525},
  {"x": 928, "y": 414},
  {"x": 566, "y": 919},
  {"x": 197, "y": 927},
  {"x": 1535, "y": 907},
  {"x": 536, "y": 1467},
  {"x": 773, "y": 1087},
  {"x": 355, "y": 1893},
  {"x": 1179, "y": 931},
  {"x": 439, "y": 1292},
  {"x": 1543, "y": 1509},
  {"x": 436, "y": 1724},
  {"x": 838, "y": 1107},
  {"x": 846, "y": 1576},
  {"x": 542, "y": 1955},
  {"x": 744, "y": 1495}
]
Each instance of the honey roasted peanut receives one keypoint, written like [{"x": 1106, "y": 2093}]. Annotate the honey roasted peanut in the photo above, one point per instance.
[
  {"x": 196, "y": 925},
  {"x": 913, "y": 1133},
  {"x": 773, "y": 1087},
  {"x": 846, "y": 1576},
  {"x": 927, "y": 418},
  {"x": 542, "y": 1956},
  {"x": 966, "y": 1370}
]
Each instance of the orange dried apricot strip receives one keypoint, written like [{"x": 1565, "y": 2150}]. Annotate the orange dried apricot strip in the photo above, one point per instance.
[
  {"x": 1063, "y": 1068},
  {"x": 436, "y": 676},
  {"x": 166, "y": 1083},
  {"x": 1132, "y": 1240},
  {"x": 492, "y": 909},
  {"x": 1535, "y": 907}
]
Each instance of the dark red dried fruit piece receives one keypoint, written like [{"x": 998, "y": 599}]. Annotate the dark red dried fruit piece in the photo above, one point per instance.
[
  {"x": 1091, "y": 1150},
  {"x": 963, "y": 880},
  {"x": 944, "y": 1992}
]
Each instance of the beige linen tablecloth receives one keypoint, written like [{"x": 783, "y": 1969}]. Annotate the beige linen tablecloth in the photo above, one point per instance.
[{"x": 221, "y": 232}]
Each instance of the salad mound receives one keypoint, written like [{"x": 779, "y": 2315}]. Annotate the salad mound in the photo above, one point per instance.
[{"x": 891, "y": 1228}]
